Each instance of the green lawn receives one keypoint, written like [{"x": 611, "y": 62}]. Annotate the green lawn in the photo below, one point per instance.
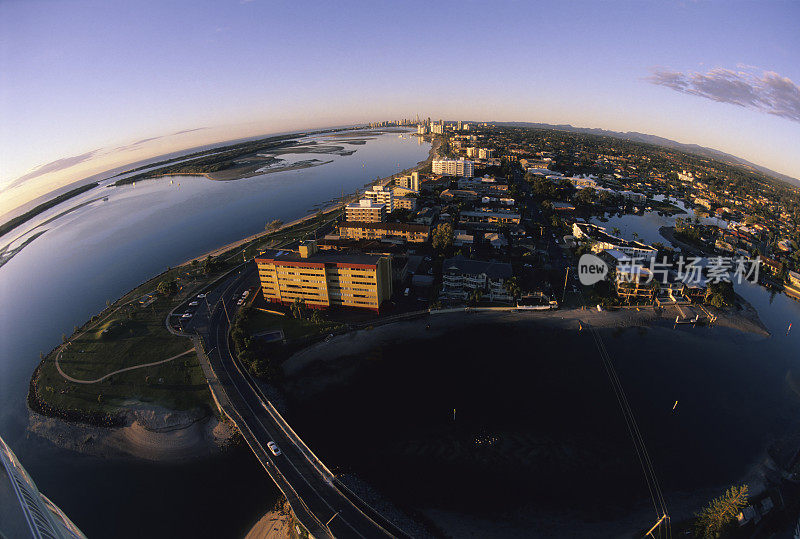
[
  {"x": 293, "y": 328},
  {"x": 131, "y": 332},
  {"x": 126, "y": 335}
]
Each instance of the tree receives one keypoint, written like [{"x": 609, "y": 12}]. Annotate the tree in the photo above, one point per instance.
[
  {"x": 167, "y": 288},
  {"x": 443, "y": 237},
  {"x": 298, "y": 306},
  {"x": 475, "y": 296},
  {"x": 721, "y": 294},
  {"x": 274, "y": 224},
  {"x": 585, "y": 197},
  {"x": 616, "y": 231},
  {"x": 720, "y": 512},
  {"x": 512, "y": 287}
]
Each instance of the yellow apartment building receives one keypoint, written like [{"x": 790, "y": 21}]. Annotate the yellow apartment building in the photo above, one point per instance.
[
  {"x": 323, "y": 280},
  {"x": 410, "y": 232}
]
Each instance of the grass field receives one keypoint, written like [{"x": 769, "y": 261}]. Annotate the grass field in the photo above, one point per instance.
[
  {"x": 131, "y": 332},
  {"x": 293, "y": 328}
]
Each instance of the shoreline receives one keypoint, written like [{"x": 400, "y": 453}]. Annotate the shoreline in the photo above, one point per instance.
[
  {"x": 358, "y": 342},
  {"x": 108, "y": 434},
  {"x": 326, "y": 365},
  {"x": 329, "y": 208},
  {"x": 151, "y": 433}
]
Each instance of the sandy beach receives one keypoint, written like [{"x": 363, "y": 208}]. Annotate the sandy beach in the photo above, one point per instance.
[
  {"x": 275, "y": 524},
  {"x": 151, "y": 433}
]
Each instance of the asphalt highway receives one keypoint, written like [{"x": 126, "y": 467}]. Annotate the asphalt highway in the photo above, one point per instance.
[{"x": 322, "y": 505}]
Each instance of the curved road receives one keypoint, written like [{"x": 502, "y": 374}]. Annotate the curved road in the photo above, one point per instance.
[{"x": 322, "y": 504}]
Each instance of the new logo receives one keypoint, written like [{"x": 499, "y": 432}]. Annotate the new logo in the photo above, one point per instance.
[{"x": 591, "y": 269}]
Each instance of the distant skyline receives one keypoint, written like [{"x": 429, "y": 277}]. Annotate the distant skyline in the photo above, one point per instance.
[{"x": 88, "y": 86}]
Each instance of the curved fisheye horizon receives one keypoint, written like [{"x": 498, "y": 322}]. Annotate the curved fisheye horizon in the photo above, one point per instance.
[
  {"x": 127, "y": 83},
  {"x": 399, "y": 269}
]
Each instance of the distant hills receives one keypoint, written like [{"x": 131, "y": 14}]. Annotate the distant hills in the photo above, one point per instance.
[{"x": 695, "y": 149}]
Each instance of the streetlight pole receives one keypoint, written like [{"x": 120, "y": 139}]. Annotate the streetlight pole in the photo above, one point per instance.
[
  {"x": 330, "y": 519},
  {"x": 225, "y": 307},
  {"x": 566, "y": 277}
]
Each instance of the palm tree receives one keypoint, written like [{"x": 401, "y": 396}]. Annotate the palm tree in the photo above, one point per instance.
[
  {"x": 475, "y": 296},
  {"x": 615, "y": 231},
  {"x": 512, "y": 287}
]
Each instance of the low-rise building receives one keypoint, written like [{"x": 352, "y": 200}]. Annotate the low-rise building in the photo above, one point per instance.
[
  {"x": 405, "y": 203},
  {"x": 462, "y": 238},
  {"x": 426, "y": 216},
  {"x": 365, "y": 211},
  {"x": 461, "y": 276},
  {"x": 583, "y": 183},
  {"x": 325, "y": 279},
  {"x": 600, "y": 240},
  {"x": 463, "y": 194},
  {"x": 563, "y": 206},
  {"x": 410, "y": 232},
  {"x": 496, "y": 240},
  {"x": 775, "y": 267},
  {"x": 503, "y": 218},
  {"x": 632, "y": 279}
]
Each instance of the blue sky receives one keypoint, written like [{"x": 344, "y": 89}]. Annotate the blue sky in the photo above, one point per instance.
[{"x": 83, "y": 81}]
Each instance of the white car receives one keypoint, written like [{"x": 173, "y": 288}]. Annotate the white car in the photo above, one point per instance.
[
  {"x": 274, "y": 448},
  {"x": 193, "y": 304},
  {"x": 240, "y": 302},
  {"x": 200, "y": 296},
  {"x": 186, "y": 315}
]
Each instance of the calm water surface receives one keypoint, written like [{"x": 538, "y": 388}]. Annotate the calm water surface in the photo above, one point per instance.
[
  {"x": 537, "y": 422},
  {"x": 100, "y": 251}
]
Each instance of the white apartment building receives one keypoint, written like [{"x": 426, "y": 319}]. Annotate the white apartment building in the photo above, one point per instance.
[
  {"x": 454, "y": 167},
  {"x": 365, "y": 211},
  {"x": 409, "y": 182},
  {"x": 437, "y": 129},
  {"x": 485, "y": 153},
  {"x": 472, "y": 151},
  {"x": 381, "y": 195}
]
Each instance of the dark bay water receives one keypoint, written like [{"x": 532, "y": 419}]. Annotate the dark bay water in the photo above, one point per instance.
[
  {"x": 537, "y": 423},
  {"x": 107, "y": 247}
]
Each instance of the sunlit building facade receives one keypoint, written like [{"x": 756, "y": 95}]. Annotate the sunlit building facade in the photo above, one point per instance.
[{"x": 322, "y": 280}]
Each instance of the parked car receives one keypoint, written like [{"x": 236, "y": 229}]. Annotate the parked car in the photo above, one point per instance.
[
  {"x": 186, "y": 315},
  {"x": 200, "y": 296},
  {"x": 274, "y": 448},
  {"x": 193, "y": 304}
]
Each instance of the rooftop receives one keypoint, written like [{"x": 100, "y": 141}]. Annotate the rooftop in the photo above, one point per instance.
[
  {"x": 465, "y": 266},
  {"x": 320, "y": 257},
  {"x": 364, "y": 203},
  {"x": 405, "y": 227}
]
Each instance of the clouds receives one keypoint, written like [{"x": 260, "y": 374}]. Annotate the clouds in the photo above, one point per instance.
[
  {"x": 53, "y": 166},
  {"x": 67, "y": 162},
  {"x": 768, "y": 92}
]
